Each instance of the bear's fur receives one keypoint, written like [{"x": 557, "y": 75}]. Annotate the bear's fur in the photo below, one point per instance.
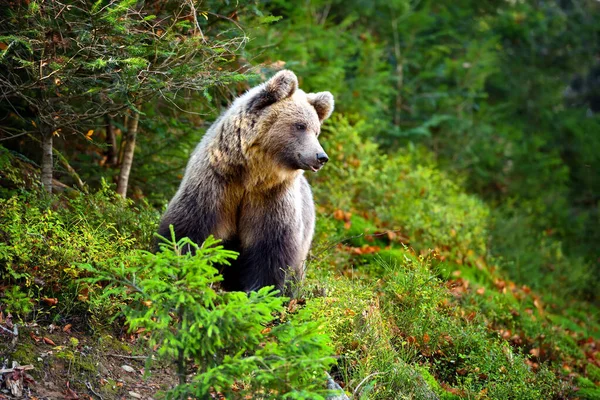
[{"x": 244, "y": 183}]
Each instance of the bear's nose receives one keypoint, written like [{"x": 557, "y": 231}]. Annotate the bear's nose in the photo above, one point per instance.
[{"x": 322, "y": 158}]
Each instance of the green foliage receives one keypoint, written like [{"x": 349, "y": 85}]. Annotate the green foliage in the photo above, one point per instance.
[
  {"x": 173, "y": 295},
  {"x": 481, "y": 86},
  {"x": 43, "y": 238},
  {"x": 406, "y": 190},
  {"x": 17, "y": 302},
  {"x": 538, "y": 259},
  {"x": 458, "y": 217},
  {"x": 383, "y": 329}
]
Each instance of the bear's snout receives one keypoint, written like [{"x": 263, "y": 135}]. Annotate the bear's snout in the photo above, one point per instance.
[{"x": 322, "y": 158}]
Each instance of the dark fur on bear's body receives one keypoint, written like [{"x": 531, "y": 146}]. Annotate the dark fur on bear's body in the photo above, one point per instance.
[{"x": 244, "y": 183}]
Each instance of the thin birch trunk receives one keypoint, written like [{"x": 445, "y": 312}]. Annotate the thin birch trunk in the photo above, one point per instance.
[
  {"x": 132, "y": 128},
  {"x": 399, "y": 72},
  {"x": 111, "y": 141},
  {"x": 47, "y": 161},
  {"x": 123, "y": 140}
]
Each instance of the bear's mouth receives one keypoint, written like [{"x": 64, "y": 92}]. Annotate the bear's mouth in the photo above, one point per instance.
[{"x": 307, "y": 167}]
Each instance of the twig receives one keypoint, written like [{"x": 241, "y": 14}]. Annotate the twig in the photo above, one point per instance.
[
  {"x": 18, "y": 368},
  {"x": 197, "y": 25},
  {"x": 364, "y": 380},
  {"x": 14, "y": 333},
  {"x": 71, "y": 171},
  {"x": 91, "y": 389},
  {"x": 131, "y": 357}
]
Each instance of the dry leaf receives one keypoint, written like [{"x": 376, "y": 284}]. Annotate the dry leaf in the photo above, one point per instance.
[
  {"x": 50, "y": 301},
  {"x": 34, "y": 337},
  {"x": 293, "y": 306},
  {"x": 49, "y": 341},
  {"x": 535, "y": 352},
  {"x": 339, "y": 215},
  {"x": 127, "y": 368}
]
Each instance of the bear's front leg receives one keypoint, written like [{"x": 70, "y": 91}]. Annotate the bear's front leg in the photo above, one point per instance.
[{"x": 270, "y": 237}]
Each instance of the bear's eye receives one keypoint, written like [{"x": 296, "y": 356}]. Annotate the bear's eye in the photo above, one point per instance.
[{"x": 300, "y": 126}]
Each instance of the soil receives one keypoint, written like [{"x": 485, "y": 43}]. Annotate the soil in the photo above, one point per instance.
[{"x": 62, "y": 363}]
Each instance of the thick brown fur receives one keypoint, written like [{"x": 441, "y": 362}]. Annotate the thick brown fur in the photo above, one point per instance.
[{"x": 244, "y": 183}]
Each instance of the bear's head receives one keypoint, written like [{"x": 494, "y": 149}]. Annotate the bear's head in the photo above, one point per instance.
[{"x": 289, "y": 123}]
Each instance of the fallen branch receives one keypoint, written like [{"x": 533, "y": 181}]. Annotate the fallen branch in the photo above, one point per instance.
[
  {"x": 71, "y": 171},
  {"x": 91, "y": 389},
  {"x": 14, "y": 332},
  {"x": 17, "y": 368},
  {"x": 130, "y": 357}
]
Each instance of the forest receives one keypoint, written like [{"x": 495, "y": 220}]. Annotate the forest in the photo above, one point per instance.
[{"x": 456, "y": 250}]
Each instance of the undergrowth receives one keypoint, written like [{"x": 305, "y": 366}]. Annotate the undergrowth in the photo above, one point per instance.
[{"x": 414, "y": 286}]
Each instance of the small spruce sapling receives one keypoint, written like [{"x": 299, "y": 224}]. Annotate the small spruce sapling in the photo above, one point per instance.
[{"x": 222, "y": 339}]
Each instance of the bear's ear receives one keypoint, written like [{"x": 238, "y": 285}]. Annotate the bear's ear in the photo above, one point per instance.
[
  {"x": 281, "y": 86},
  {"x": 323, "y": 103}
]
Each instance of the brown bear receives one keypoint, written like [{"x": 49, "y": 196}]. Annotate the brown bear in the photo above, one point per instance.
[{"x": 244, "y": 183}]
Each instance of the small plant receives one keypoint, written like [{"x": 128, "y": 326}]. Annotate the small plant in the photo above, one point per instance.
[
  {"x": 17, "y": 302},
  {"x": 224, "y": 338}
]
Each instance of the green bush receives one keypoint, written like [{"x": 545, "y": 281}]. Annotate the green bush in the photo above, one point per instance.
[
  {"x": 404, "y": 191},
  {"x": 385, "y": 329},
  {"x": 17, "y": 302},
  {"x": 226, "y": 338},
  {"x": 43, "y": 237}
]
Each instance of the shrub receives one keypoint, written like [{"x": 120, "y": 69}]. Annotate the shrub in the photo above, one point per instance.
[
  {"x": 43, "y": 237},
  {"x": 228, "y": 337},
  {"x": 406, "y": 190},
  {"x": 385, "y": 330}
]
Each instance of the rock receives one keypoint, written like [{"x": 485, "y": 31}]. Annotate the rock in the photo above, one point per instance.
[
  {"x": 332, "y": 385},
  {"x": 127, "y": 368}
]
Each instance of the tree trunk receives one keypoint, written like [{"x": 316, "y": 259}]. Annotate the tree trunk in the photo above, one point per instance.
[
  {"x": 111, "y": 141},
  {"x": 399, "y": 72},
  {"x": 47, "y": 162},
  {"x": 132, "y": 128},
  {"x": 123, "y": 141}
]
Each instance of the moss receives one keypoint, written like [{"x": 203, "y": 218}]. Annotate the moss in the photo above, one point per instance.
[
  {"x": 24, "y": 354},
  {"x": 66, "y": 355},
  {"x": 74, "y": 342},
  {"x": 588, "y": 394},
  {"x": 110, "y": 388},
  {"x": 107, "y": 342},
  {"x": 593, "y": 372},
  {"x": 585, "y": 382},
  {"x": 569, "y": 346},
  {"x": 430, "y": 381},
  {"x": 86, "y": 363},
  {"x": 79, "y": 362}
]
